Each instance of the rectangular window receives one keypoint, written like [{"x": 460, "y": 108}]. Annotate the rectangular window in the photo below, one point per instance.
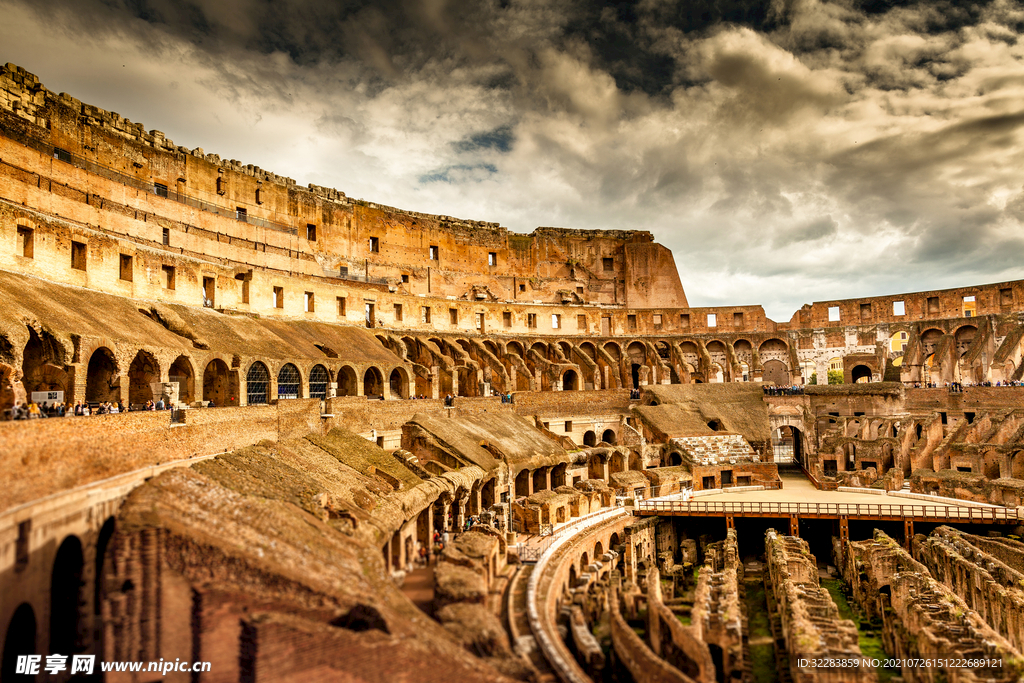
[
  {"x": 405, "y": 278},
  {"x": 167, "y": 236},
  {"x": 970, "y": 307},
  {"x": 506, "y": 319},
  {"x": 127, "y": 272},
  {"x": 425, "y": 314},
  {"x": 278, "y": 297},
  {"x": 631, "y": 322},
  {"x": 531, "y": 320},
  {"x": 78, "y": 255},
  {"x": 833, "y": 314},
  {"x": 245, "y": 291},
  {"x": 398, "y": 312},
  {"x": 310, "y": 302},
  {"x": 259, "y": 195},
  {"x": 61, "y": 154},
  {"x": 865, "y": 311},
  {"x": 899, "y": 308},
  {"x": 453, "y": 316},
  {"x": 568, "y": 426},
  {"x": 310, "y": 232},
  {"x": 434, "y": 253},
  {"x": 168, "y": 276},
  {"x": 341, "y": 306},
  {"x": 581, "y": 323},
  {"x": 737, "y": 320},
  {"x": 374, "y": 245},
  {"x": 371, "y": 315},
  {"x": 933, "y": 304},
  {"x": 606, "y": 326},
  {"x": 684, "y": 321},
  {"x": 492, "y": 258},
  {"x": 522, "y": 288},
  {"x": 222, "y": 185},
  {"x": 242, "y": 214},
  {"x": 608, "y": 264},
  {"x": 712, "y": 320},
  {"x": 25, "y": 242},
  {"x": 480, "y": 321},
  {"x": 209, "y": 291},
  {"x": 657, "y": 320},
  {"x": 343, "y": 271},
  {"x": 556, "y": 321},
  {"x": 160, "y": 190}
]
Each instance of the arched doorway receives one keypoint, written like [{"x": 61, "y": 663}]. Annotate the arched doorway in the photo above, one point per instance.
[
  {"x": 373, "y": 383},
  {"x": 220, "y": 384},
  {"x": 43, "y": 365},
  {"x": 675, "y": 459},
  {"x": 182, "y": 373},
  {"x": 716, "y": 374},
  {"x": 289, "y": 382},
  {"x": 257, "y": 381},
  {"x": 609, "y": 437},
  {"x": 523, "y": 484},
  {"x": 348, "y": 382},
  {"x": 860, "y": 374},
  {"x": 398, "y": 382},
  {"x": 589, "y": 438},
  {"x": 786, "y": 446},
  {"x": 775, "y": 372},
  {"x": 318, "y": 381},
  {"x": 570, "y": 381},
  {"x": 65, "y": 597},
  {"x": 101, "y": 379},
  {"x": 20, "y": 640},
  {"x": 143, "y": 371},
  {"x": 634, "y": 373}
]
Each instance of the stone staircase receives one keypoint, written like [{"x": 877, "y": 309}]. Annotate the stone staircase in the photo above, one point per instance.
[{"x": 716, "y": 450}]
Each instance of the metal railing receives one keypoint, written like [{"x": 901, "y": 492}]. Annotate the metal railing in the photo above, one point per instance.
[
  {"x": 138, "y": 183},
  {"x": 937, "y": 512}
]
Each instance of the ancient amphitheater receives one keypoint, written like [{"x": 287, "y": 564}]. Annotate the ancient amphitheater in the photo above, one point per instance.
[{"x": 407, "y": 447}]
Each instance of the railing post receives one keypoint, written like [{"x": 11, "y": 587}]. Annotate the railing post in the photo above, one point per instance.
[{"x": 794, "y": 525}]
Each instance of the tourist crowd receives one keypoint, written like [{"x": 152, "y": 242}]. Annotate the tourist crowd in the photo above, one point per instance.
[
  {"x": 772, "y": 390},
  {"x": 32, "y": 411}
]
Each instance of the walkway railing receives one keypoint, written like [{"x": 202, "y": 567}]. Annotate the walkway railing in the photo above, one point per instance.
[
  {"x": 533, "y": 553},
  {"x": 936, "y": 512}
]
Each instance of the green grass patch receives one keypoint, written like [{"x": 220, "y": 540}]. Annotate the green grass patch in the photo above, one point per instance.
[
  {"x": 762, "y": 663},
  {"x": 869, "y": 634}
]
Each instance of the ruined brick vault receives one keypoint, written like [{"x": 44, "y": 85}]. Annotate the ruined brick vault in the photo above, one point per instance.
[{"x": 351, "y": 380}]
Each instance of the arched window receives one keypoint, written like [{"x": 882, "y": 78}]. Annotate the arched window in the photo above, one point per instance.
[
  {"x": 318, "y": 379},
  {"x": 289, "y": 383},
  {"x": 256, "y": 382}
]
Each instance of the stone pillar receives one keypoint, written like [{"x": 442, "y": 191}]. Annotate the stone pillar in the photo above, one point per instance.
[
  {"x": 547, "y": 478},
  {"x": 272, "y": 388},
  {"x": 243, "y": 390},
  {"x": 435, "y": 383},
  {"x": 332, "y": 389}
]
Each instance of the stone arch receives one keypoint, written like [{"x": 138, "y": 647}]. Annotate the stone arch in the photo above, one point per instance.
[
  {"x": 319, "y": 379},
  {"x": 20, "y": 640},
  {"x": 1017, "y": 465},
  {"x": 617, "y": 463},
  {"x": 930, "y": 340},
  {"x": 609, "y": 437},
  {"x": 860, "y": 374},
  {"x": 289, "y": 382},
  {"x": 775, "y": 372},
  {"x": 589, "y": 438},
  {"x": 637, "y": 352},
  {"x": 523, "y": 483},
  {"x": 570, "y": 381},
  {"x": 143, "y": 371},
  {"x": 181, "y": 372},
  {"x": 373, "y": 383},
  {"x": 584, "y": 562},
  {"x": 66, "y": 597},
  {"x": 398, "y": 383},
  {"x": 220, "y": 383},
  {"x": 715, "y": 373},
  {"x": 101, "y": 380},
  {"x": 598, "y": 551},
  {"x": 675, "y": 458},
  {"x": 613, "y": 350},
  {"x": 589, "y": 351},
  {"x": 348, "y": 381},
  {"x": 964, "y": 337},
  {"x": 43, "y": 365},
  {"x": 257, "y": 381},
  {"x": 102, "y": 549}
]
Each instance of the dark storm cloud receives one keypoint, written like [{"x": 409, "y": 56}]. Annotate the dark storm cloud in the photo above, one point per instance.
[{"x": 786, "y": 150}]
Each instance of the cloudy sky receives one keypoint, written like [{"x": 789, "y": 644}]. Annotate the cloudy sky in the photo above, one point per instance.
[{"x": 787, "y": 151}]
